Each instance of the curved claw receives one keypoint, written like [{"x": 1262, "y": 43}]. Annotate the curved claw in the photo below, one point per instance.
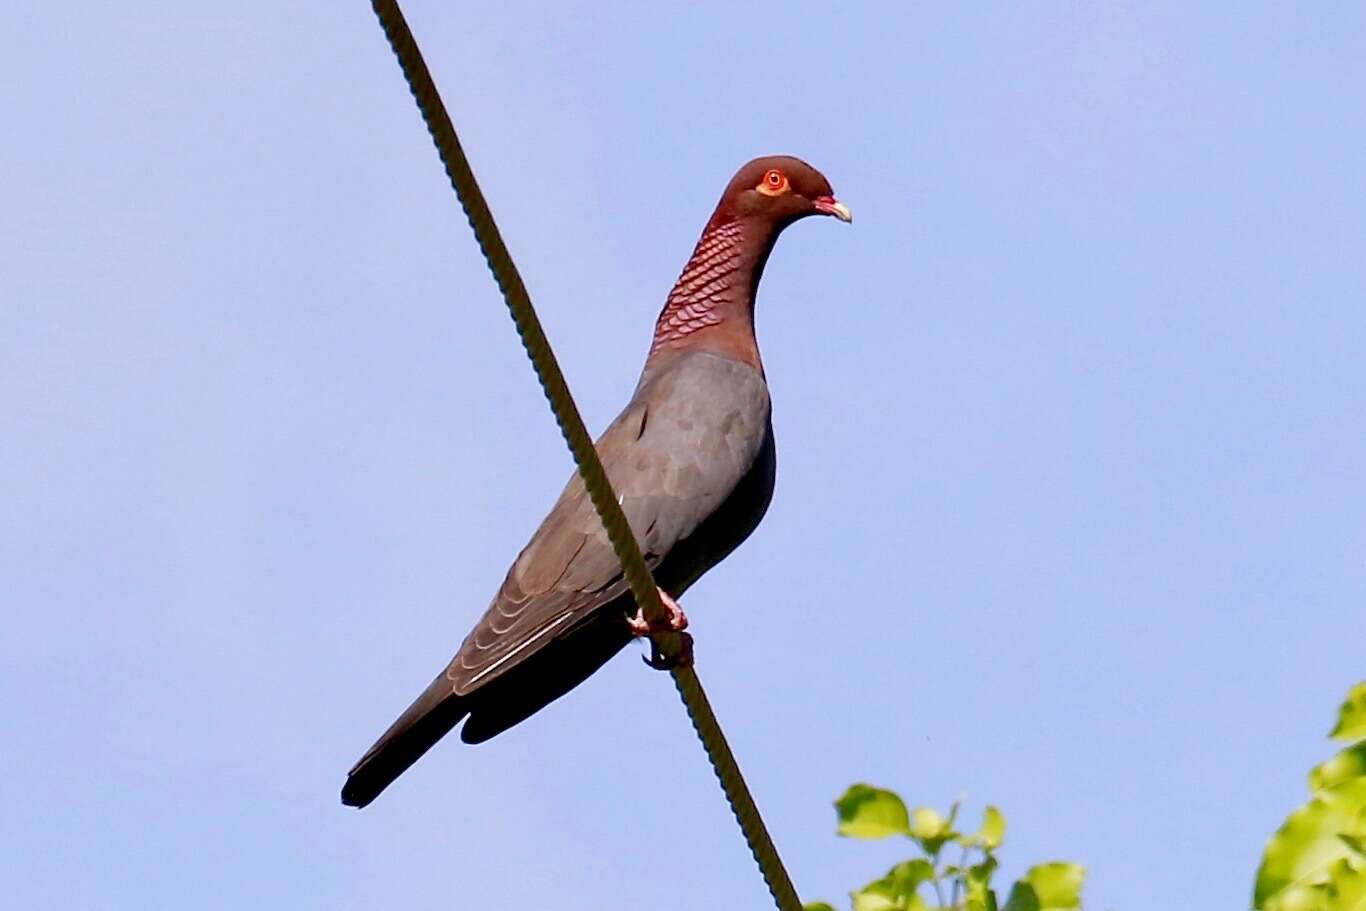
[{"x": 660, "y": 662}]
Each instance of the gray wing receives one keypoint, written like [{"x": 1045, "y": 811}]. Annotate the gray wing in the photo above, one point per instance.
[{"x": 673, "y": 456}]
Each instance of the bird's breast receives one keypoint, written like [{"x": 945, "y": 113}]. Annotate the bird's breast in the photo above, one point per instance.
[{"x": 707, "y": 422}]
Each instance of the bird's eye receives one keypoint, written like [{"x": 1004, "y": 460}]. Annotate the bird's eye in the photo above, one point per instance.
[{"x": 774, "y": 182}]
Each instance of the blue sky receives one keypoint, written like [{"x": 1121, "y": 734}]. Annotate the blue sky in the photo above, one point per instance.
[{"x": 1071, "y": 514}]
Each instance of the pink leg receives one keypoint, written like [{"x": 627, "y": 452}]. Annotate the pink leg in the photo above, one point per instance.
[{"x": 676, "y": 621}]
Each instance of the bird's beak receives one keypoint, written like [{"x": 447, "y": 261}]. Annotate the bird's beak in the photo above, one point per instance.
[{"x": 829, "y": 205}]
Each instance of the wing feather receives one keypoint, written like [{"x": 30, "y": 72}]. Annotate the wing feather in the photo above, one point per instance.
[{"x": 673, "y": 456}]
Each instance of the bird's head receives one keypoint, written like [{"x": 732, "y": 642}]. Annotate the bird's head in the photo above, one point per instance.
[{"x": 779, "y": 189}]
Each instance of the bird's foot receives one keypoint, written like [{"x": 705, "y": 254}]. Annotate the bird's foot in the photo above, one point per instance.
[
  {"x": 662, "y": 662},
  {"x": 674, "y": 621}
]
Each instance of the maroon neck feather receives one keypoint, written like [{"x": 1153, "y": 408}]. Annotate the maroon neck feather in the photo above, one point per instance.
[{"x": 711, "y": 306}]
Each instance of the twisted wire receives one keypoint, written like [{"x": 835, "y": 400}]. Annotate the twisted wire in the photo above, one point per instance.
[{"x": 637, "y": 574}]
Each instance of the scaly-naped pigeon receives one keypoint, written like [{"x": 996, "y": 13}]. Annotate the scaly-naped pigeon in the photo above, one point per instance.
[{"x": 691, "y": 458}]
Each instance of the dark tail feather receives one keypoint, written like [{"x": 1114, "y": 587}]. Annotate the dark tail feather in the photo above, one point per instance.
[
  {"x": 425, "y": 722},
  {"x": 523, "y": 690}
]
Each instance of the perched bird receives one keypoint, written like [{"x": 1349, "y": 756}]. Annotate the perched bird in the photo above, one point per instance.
[{"x": 691, "y": 459}]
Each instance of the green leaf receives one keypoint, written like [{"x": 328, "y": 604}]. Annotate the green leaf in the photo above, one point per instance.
[
  {"x": 1300, "y": 898},
  {"x": 993, "y": 830},
  {"x": 979, "y": 898},
  {"x": 897, "y": 891},
  {"x": 910, "y": 874},
  {"x": 1356, "y": 843},
  {"x": 1350, "y": 763},
  {"x": 931, "y": 829},
  {"x": 818, "y": 906},
  {"x": 977, "y": 879},
  {"x": 1022, "y": 898},
  {"x": 1056, "y": 885},
  {"x": 1346, "y": 887},
  {"x": 926, "y": 823},
  {"x": 873, "y": 898},
  {"x": 981, "y": 872},
  {"x": 1304, "y": 849},
  {"x": 868, "y": 812},
  {"x": 1352, "y": 715}
]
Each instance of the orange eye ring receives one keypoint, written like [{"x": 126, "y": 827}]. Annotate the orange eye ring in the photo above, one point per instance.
[{"x": 774, "y": 183}]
